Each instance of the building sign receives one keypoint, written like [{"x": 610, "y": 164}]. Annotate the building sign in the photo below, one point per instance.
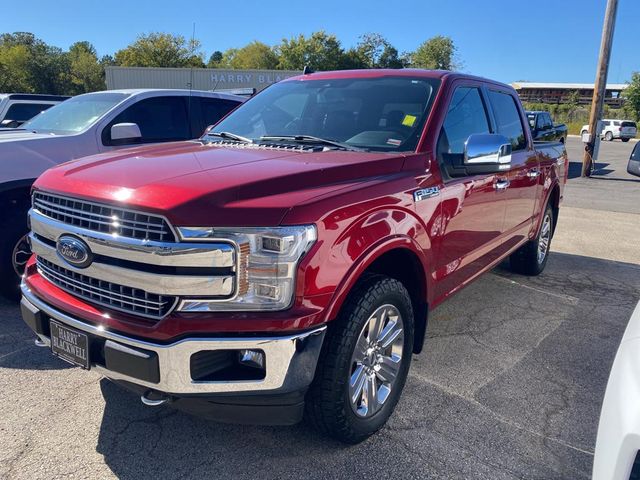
[{"x": 196, "y": 78}]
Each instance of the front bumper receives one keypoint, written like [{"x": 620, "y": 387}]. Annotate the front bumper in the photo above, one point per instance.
[{"x": 290, "y": 361}]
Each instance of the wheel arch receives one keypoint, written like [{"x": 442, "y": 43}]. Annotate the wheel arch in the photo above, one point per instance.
[{"x": 398, "y": 258}]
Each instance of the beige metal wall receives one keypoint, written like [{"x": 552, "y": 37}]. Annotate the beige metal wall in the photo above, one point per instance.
[{"x": 203, "y": 78}]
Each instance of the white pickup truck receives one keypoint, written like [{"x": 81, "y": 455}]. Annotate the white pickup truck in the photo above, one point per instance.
[
  {"x": 85, "y": 125},
  {"x": 17, "y": 108}
]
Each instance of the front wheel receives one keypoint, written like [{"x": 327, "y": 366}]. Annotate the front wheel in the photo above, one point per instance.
[
  {"x": 625, "y": 140},
  {"x": 364, "y": 362},
  {"x": 531, "y": 258}
]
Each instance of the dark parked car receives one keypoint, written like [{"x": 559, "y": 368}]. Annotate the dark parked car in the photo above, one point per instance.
[
  {"x": 633, "y": 166},
  {"x": 543, "y": 128}
]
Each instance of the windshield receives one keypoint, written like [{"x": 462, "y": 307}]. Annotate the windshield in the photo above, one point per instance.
[
  {"x": 75, "y": 114},
  {"x": 381, "y": 114}
]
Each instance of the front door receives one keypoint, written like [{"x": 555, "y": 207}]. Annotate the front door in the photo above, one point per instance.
[{"x": 472, "y": 210}]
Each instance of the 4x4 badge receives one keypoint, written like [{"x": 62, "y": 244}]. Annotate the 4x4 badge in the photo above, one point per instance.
[{"x": 425, "y": 193}]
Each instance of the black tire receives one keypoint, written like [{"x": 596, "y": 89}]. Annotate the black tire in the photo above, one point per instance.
[
  {"x": 608, "y": 137},
  {"x": 526, "y": 260},
  {"x": 625, "y": 140},
  {"x": 328, "y": 405},
  {"x": 13, "y": 229}
]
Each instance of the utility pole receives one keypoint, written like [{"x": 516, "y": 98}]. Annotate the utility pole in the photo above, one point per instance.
[{"x": 599, "y": 90}]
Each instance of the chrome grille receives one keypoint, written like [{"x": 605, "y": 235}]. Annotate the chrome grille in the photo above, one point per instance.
[
  {"x": 112, "y": 295},
  {"x": 103, "y": 218}
]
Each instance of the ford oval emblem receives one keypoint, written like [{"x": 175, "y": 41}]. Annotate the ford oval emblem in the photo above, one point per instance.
[{"x": 74, "y": 251}]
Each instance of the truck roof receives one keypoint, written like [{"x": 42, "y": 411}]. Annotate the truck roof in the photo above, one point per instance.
[
  {"x": 175, "y": 91},
  {"x": 390, "y": 72},
  {"x": 33, "y": 96}
]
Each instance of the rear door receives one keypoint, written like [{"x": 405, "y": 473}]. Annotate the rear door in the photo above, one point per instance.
[
  {"x": 472, "y": 208},
  {"x": 521, "y": 192}
]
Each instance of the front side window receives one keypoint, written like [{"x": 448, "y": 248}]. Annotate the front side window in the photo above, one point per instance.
[
  {"x": 76, "y": 114},
  {"x": 379, "y": 114},
  {"x": 466, "y": 116},
  {"x": 508, "y": 119},
  {"x": 160, "y": 119}
]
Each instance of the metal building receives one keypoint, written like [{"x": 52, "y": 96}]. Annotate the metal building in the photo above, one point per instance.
[
  {"x": 540, "y": 92},
  {"x": 196, "y": 78}
]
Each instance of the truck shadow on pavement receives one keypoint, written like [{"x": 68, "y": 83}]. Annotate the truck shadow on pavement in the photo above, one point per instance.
[
  {"x": 17, "y": 349},
  {"x": 507, "y": 388}
]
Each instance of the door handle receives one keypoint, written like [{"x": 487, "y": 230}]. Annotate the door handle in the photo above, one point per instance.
[
  {"x": 533, "y": 173},
  {"x": 501, "y": 185}
]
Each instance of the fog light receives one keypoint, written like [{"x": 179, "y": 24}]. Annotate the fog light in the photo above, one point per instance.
[{"x": 251, "y": 358}]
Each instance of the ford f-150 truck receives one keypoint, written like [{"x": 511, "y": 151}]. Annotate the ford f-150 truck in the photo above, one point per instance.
[
  {"x": 286, "y": 262},
  {"x": 86, "y": 125},
  {"x": 543, "y": 128}
]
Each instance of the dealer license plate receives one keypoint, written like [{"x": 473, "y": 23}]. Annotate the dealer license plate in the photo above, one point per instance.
[{"x": 69, "y": 344}]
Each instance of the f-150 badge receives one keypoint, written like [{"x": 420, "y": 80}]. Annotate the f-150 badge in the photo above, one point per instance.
[{"x": 425, "y": 193}]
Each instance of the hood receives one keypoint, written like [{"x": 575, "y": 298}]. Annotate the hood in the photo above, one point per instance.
[
  {"x": 13, "y": 134},
  {"x": 25, "y": 154},
  {"x": 197, "y": 184}
]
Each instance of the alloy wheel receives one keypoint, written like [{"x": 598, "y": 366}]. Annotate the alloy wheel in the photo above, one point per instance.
[
  {"x": 20, "y": 255},
  {"x": 376, "y": 361},
  {"x": 545, "y": 238}
]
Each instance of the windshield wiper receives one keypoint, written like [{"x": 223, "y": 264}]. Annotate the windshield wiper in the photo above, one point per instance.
[
  {"x": 230, "y": 136},
  {"x": 312, "y": 139}
]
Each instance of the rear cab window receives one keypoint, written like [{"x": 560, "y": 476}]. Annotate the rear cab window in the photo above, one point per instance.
[
  {"x": 23, "y": 111},
  {"x": 507, "y": 116}
]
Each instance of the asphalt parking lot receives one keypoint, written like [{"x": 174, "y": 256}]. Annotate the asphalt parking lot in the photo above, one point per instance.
[{"x": 509, "y": 386}]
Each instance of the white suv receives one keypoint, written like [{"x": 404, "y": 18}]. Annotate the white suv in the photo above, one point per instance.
[
  {"x": 17, "y": 108},
  {"x": 622, "y": 129}
]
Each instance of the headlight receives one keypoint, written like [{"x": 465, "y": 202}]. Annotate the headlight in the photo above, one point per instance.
[{"x": 268, "y": 259}]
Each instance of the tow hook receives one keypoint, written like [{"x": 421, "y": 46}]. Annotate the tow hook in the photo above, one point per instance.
[
  {"x": 151, "y": 398},
  {"x": 39, "y": 342}
]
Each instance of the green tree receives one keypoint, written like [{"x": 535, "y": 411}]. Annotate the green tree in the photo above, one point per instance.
[
  {"x": 254, "y": 55},
  {"x": 320, "y": 51},
  {"x": 86, "y": 71},
  {"x": 632, "y": 97},
  {"x": 29, "y": 65},
  {"x": 215, "y": 59},
  {"x": 437, "y": 53},
  {"x": 161, "y": 50},
  {"x": 375, "y": 51}
]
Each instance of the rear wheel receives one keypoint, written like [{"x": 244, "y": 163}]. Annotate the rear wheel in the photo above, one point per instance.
[
  {"x": 364, "y": 362},
  {"x": 531, "y": 258},
  {"x": 14, "y": 252},
  {"x": 608, "y": 137},
  {"x": 624, "y": 139}
]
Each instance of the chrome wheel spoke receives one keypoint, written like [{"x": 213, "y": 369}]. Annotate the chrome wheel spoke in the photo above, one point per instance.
[
  {"x": 358, "y": 380},
  {"x": 390, "y": 333},
  {"x": 389, "y": 367},
  {"x": 371, "y": 395}
]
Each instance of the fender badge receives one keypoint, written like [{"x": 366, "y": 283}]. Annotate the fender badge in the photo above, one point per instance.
[{"x": 425, "y": 193}]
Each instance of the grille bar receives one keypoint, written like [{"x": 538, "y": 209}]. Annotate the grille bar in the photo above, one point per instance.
[
  {"x": 103, "y": 218},
  {"x": 118, "y": 297}
]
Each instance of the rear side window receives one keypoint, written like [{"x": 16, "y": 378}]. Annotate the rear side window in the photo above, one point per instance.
[
  {"x": 466, "y": 116},
  {"x": 213, "y": 109},
  {"x": 161, "y": 119},
  {"x": 25, "y": 111},
  {"x": 508, "y": 118}
]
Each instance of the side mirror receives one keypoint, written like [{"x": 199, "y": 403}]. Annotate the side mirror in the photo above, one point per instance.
[
  {"x": 122, "y": 133},
  {"x": 633, "y": 167},
  {"x": 487, "y": 153}
]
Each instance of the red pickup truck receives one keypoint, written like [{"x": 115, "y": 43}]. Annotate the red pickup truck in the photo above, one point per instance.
[{"x": 283, "y": 266}]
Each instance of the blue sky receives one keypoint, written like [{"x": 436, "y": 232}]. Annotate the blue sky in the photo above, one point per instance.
[{"x": 542, "y": 40}]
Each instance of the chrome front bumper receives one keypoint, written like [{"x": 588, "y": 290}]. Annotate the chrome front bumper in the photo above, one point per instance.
[{"x": 290, "y": 360}]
